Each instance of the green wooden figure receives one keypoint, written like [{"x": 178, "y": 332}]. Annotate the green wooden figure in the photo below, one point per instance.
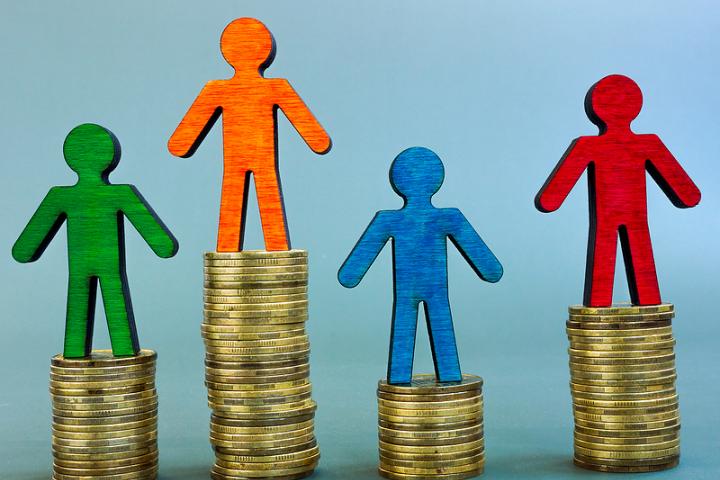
[{"x": 94, "y": 211}]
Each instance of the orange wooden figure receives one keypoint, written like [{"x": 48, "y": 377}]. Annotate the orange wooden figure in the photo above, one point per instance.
[{"x": 248, "y": 103}]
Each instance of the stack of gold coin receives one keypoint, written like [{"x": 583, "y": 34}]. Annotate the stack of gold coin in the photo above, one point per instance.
[
  {"x": 104, "y": 417},
  {"x": 622, "y": 368},
  {"x": 257, "y": 365},
  {"x": 431, "y": 430}
]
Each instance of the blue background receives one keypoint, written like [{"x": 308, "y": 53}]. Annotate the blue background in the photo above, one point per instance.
[{"x": 495, "y": 88}]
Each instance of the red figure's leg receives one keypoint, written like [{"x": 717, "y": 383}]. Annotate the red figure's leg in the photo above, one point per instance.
[
  {"x": 272, "y": 211},
  {"x": 600, "y": 273},
  {"x": 640, "y": 265},
  {"x": 233, "y": 204}
]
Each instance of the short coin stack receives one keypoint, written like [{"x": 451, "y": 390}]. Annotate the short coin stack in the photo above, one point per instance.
[
  {"x": 622, "y": 368},
  {"x": 104, "y": 417},
  {"x": 257, "y": 365},
  {"x": 431, "y": 430}
]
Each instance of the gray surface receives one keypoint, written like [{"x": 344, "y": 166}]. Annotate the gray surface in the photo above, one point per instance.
[{"x": 496, "y": 88}]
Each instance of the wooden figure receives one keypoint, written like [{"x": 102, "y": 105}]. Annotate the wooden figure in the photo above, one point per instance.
[
  {"x": 616, "y": 160},
  {"x": 94, "y": 211},
  {"x": 248, "y": 103},
  {"x": 419, "y": 233}
]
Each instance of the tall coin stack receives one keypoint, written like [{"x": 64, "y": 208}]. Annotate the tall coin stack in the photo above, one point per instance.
[
  {"x": 257, "y": 365},
  {"x": 431, "y": 430},
  {"x": 104, "y": 417},
  {"x": 622, "y": 368}
]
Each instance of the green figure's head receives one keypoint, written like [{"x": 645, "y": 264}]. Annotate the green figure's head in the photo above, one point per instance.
[{"x": 91, "y": 151}]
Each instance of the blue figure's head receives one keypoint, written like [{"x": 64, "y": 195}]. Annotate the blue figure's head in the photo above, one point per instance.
[{"x": 417, "y": 173}]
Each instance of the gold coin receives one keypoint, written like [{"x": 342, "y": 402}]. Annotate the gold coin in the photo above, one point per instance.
[
  {"x": 254, "y": 269},
  {"x": 628, "y": 434},
  {"x": 621, "y": 353},
  {"x": 649, "y": 367},
  {"x": 447, "y": 412},
  {"x": 268, "y": 317},
  {"x": 91, "y": 372},
  {"x": 265, "y": 437},
  {"x": 621, "y": 309},
  {"x": 105, "y": 442},
  {"x": 623, "y": 320},
  {"x": 212, "y": 278},
  {"x": 652, "y": 402},
  {"x": 226, "y": 473},
  {"x": 254, "y": 292},
  {"x": 101, "y": 392},
  {"x": 434, "y": 449},
  {"x": 107, "y": 406},
  {"x": 250, "y": 402},
  {"x": 430, "y": 442},
  {"x": 105, "y": 457},
  {"x": 298, "y": 409},
  {"x": 623, "y": 361},
  {"x": 629, "y": 418},
  {"x": 265, "y": 451},
  {"x": 430, "y": 405},
  {"x": 258, "y": 309},
  {"x": 246, "y": 303},
  {"x": 601, "y": 467},
  {"x": 255, "y": 337},
  {"x": 444, "y": 397},
  {"x": 102, "y": 385},
  {"x": 255, "y": 254},
  {"x": 103, "y": 358},
  {"x": 140, "y": 460},
  {"x": 255, "y": 331},
  {"x": 431, "y": 463},
  {"x": 114, "y": 420},
  {"x": 149, "y": 473},
  {"x": 270, "y": 459},
  {"x": 635, "y": 332},
  {"x": 623, "y": 410},
  {"x": 401, "y": 419},
  {"x": 614, "y": 447},
  {"x": 210, "y": 376},
  {"x": 111, "y": 428},
  {"x": 609, "y": 325},
  {"x": 248, "y": 446},
  {"x": 654, "y": 440},
  {"x": 103, "y": 435},
  {"x": 265, "y": 466},
  {"x": 627, "y": 426},
  {"x": 101, "y": 472},
  {"x": 614, "y": 347},
  {"x": 627, "y": 461},
  {"x": 289, "y": 422},
  {"x": 431, "y": 434},
  {"x": 474, "y": 421},
  {"x": 618, "y": 341},
  {"x": 104, "y": 450},
  {"x": 621, "y": 455},
  {"x": 626, "y": 389},
  {"x": 621, "y": 397},
  {"x": 300, "y": 356},
  {"x": 246, "y": 410},
  {"x": 258, "y": 285},
  {"x": 255, "y": 262},
  {"x": 260, "y": 388},
  {"x": 106, "y": 413},
  {"x": 431, "y": 457},
  {"x": 243, "y": 369},
  {"x": 627, "y": 382},
  {"x": 261, "y": 394},
  {"x": 427, "y": 384},
  {"x": 273, "y": 342},
  {"x": 450, "y": 476},
  {"x": 438, "y": 470},
  {"x": 101, "y": 399},
  {"x": 279, "y": 429}
]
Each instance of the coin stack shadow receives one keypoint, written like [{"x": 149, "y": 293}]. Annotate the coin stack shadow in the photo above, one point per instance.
[
  {"x": 257, "y": 364},
  {"x": 622, "y": 368},
  {"x": 431, "y": 430},
  {"x": 104, "y": 416}
]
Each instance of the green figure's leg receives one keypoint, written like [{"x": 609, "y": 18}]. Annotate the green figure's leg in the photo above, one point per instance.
[
  {"x": 80, "y": 316},
  {"x": 120, "y": 319}
]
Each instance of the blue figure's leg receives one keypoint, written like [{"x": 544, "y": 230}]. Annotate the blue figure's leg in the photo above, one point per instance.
[
  {"x": 442, "y": 338},
  {"x": 402, "y": 340}
]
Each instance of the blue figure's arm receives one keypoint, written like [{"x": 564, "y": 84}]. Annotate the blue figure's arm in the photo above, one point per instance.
[
  {"x": 41, "y": 228},
  {"x": 472, "y": 247},
  {"x": 366, "y": 250}
]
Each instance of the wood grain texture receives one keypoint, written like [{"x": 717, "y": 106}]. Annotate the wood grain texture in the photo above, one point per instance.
[
  {"x": 94, "y": 210},
  {"x": 248, "y": 103},
  {"x": 617, "y": 160},
  {"x": 419, "y": 233}
]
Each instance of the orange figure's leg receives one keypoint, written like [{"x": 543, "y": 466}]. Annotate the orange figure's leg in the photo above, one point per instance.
[
  {"x": 600, "y": 273},
  {"x": 640, "y": 265},
  {"x": 233, "y": 204},
  {"x": 272, "y": 210}
]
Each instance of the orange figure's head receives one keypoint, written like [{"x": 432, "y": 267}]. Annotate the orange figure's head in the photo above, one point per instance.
[
  {"x": 247, "y": 45},
  {"x": 613, "y": 102}
]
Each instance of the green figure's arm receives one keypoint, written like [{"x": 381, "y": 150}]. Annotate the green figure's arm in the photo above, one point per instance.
[
  {"x": 148, "y": 224},
  {"x": 40, "y": 230}
]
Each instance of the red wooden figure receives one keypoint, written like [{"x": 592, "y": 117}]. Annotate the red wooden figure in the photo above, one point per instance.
[{"x": 616, "y": 160}]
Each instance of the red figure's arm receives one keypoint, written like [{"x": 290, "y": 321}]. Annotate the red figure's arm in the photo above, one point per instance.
[
  {"x": 563, "y": 177},
  {"x": 670, "y": 176},
  {"x": 302, "y": 119},
  {"x": 196, "y": 123}
]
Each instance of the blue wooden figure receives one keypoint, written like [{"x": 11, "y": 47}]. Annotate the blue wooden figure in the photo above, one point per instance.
[{"x": 419, "y": 232}]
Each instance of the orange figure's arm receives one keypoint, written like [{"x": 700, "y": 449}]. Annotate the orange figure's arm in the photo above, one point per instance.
[
  {"x": 196, "y": 124},
  {"x": 671, "y": 177},
  {"x": 302, "y": 119},
  {"x": 563, "y": 177}
]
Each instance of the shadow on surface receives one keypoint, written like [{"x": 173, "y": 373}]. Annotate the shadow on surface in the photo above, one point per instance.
[
  {"x": 546, "y": 466},
  {"x": 345, "y": 472},
  {"x": 188, "y": 473}
]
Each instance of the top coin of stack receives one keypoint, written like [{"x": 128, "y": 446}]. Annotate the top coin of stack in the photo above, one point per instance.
[
  {"x": 431, "y": 430},
  {"x": 104, "y": 416},
  {"x": 622, "y": 366},
  {"x": 257, "y": 364}
]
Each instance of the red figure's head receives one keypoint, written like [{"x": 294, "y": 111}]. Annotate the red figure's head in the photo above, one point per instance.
[
  {"x": 613, "y": 102},
  {"x": 247, "y": 45}
]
